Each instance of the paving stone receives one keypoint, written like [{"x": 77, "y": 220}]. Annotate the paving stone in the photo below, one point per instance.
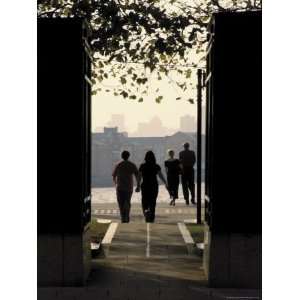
[{"x": 168, "y": 273}]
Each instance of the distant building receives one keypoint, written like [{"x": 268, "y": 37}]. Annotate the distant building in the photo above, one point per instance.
[
  {"x": 108, "y": 145},
  {"x": 140, "y": 145},
  {"x": 187, "y": 124},
  {"x": 152, "y": 128},
  {"x": 98, "y": 129},
  {"x": 117, "y": 120}
]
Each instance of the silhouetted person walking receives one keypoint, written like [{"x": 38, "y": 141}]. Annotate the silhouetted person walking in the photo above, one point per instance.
[
  {"x": 123, "y": 179},
  {"x": 148, "y": 173},
  {"x": 172, "y": 166},
  {"x": 187, "y": 159}
]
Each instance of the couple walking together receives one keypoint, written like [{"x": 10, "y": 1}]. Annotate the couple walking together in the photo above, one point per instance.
[{"x": 147, "y": 182}]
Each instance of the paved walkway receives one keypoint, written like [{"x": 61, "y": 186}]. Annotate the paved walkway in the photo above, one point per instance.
[
  {"x": 104, "y": 206},
  {"x": 108, "y": 195},
  {"x": 164, "y": 212},
  {"x": 146, "y": 261},
  {"x": 113, "y": 209},
  {"x": 148, "y": 241}
]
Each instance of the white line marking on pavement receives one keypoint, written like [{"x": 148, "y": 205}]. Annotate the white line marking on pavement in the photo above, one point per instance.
[
  {"x": 179, "y": 211},
  {"x": 103, "y": 221},
  {"x": 102, "y": 211},
  {"x": 148, "y": 241},
  {"x": 200, "y": 246},
  {"x": 110, "y": 233},
  {"x": 167, "y": 211},
  {"x": 114, "y": 211},
  {"x": 185, "y": 234},
  {"x": 108, "y": 211},
  {"x": 190, "y": 221}
]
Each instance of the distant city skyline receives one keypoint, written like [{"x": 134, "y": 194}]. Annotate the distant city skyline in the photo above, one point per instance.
[
  {"x": 169, "y": 110},
  {"x": 152, "y": 127},
  {"x": 108, "y": 145},
  {"x": 117, "y": 120}
]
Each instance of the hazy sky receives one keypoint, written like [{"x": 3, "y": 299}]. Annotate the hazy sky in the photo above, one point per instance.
[{"x": 169, "y": 110}]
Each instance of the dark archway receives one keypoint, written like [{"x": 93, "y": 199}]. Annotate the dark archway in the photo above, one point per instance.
[{"x": 233, "y": 131}]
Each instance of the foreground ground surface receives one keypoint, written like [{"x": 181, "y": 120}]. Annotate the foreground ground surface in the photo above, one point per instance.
[
  {"x": 146, "y": 261},
  {"x": 104, "y": 206}
]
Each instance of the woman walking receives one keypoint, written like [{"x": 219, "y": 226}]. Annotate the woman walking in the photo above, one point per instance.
[
  {"x": 172, "y": 166},
  {"x": 148, "y": 172}
]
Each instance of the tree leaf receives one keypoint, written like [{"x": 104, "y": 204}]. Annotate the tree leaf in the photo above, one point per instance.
[
  {"x": 144, "y": 32},
  {"x": 158, "y": 99},
  {"x": 124, "y": 94},
  {"x": 188, "y": 73}
]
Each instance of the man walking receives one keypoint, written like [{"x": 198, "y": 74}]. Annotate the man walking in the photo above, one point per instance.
[
  {"x": 123, "y": 179},
  {"x": 187, "y": 159}
]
